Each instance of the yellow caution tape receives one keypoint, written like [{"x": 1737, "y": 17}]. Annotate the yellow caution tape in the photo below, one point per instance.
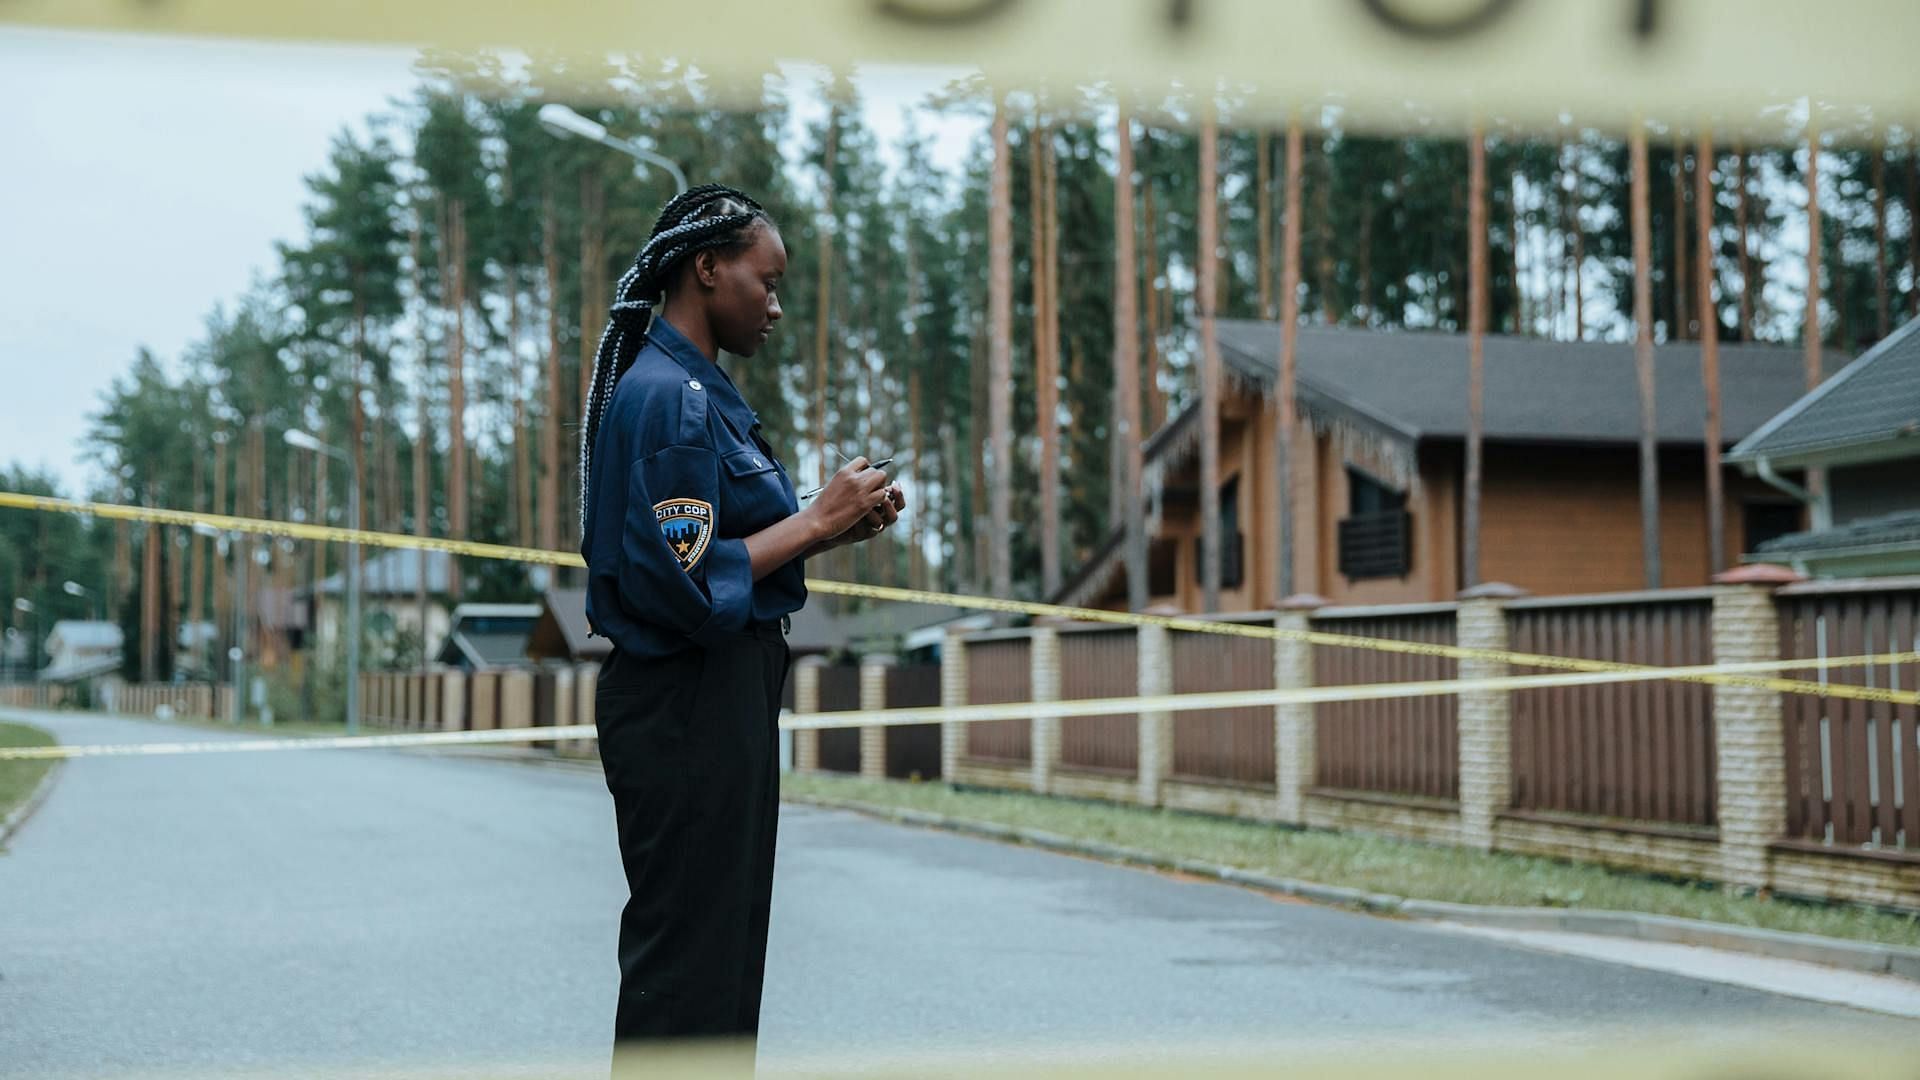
[
  {"x": 475, "y": 549},
  {"x": 958, "y": 714}
]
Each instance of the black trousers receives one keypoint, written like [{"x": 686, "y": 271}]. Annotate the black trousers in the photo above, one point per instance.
[{"x": 689, "y": 746}]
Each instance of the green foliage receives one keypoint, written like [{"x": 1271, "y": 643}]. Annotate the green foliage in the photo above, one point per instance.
[{"x": 1383, "y": 244}]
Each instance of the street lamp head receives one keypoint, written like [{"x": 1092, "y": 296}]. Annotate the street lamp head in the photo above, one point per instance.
[
  {"x": 304, "y": 441},
  {"x": 73, "y": 588},
  {"x": 23, "y": 605},
  {"x": 566, "y": 123},
  {"x": 201, "y": 528}
]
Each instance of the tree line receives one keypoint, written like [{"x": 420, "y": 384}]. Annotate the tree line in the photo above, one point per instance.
[{"x": 1009, "y": 333}]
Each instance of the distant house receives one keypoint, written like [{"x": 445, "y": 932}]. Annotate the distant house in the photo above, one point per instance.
[
  {"x": 561, "y": 634},
  {"x": 481, "y": 637},
  {"x": 79, "y": 649},
  {"x": 1378, "y": 469},
  {"x": 389, "y": 598},
  {"x": 1862, "y": 429}
]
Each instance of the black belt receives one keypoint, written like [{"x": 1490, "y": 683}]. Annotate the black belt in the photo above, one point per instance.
[{"x": 776, "y": 629}]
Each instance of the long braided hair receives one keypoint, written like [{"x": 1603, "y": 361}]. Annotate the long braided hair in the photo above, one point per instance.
[{"x": 711, "y": 216}]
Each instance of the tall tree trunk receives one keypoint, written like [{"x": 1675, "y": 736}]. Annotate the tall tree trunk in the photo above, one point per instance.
[
  {"x": 1703, "y": 203},
  {"x": 977, "y": 500},
  {"x": 1746, "y": 245},
  {"x": 1579, "y": 234},
  {"x": 1684, "y": 328},
  {"x": 150, "y": 601},
  {"x": 1283, "y": 440},
  {"x": 1522, "y": 325},
  {"x": 1263, "y": 188},
  {"x": 1643, "y": 355},
  {"x": 1323, "y": 234},
  {"x": 1126, "y": 365},
  {"x": 1050, "y": 394},
  {"x": 197, "y": 573},
  {"x": 593, "y": 292},
  {"x": 1155, "y": 293},
  {"x": 1206, "y": 291},
  {"x": 1812, "y": 332},
  {"x": 522, "y": 453},
  {"x": 1046, "y": 381},
  {"x": 1913, "y": 234},
  {"x": 1476, "y": 342},
  {"x": 422, "y": 447},
  {"x": 456, "y": 383},
  {"x": 1000, "y": 350},
  {"x": 1880, "y": 306},
  {"x": 823, "y": 304},
  {"x": 220, "y": 599},
  {"x": 1816, "y": 477},
  {"x": 551, "y": 426}
]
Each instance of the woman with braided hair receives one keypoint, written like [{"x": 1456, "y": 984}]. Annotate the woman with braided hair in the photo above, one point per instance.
[{"x": 694, "y": 541}]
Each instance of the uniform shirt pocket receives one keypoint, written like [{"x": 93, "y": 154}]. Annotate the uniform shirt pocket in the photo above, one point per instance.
[{"x": 745, "y": 463}]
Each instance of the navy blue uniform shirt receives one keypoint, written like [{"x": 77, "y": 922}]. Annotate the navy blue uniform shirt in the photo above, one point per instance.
[{"x": 681, "y": 477}]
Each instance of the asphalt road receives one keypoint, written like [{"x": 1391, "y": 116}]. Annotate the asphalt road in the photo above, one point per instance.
[{"x": 274, "y": 914}]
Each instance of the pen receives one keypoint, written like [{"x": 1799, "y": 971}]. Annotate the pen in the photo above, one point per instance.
[{"x": 881, "y": 464}]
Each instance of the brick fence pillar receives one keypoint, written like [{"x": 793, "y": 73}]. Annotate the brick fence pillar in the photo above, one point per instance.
[
  {"x": 1154, "y": 665},
  {"x": 1486, "y": 716},
  {"x": 1045, "y": 734},
  {"x": 1750, "y": 755},
  {"x": 563, "y": 706},
  {"x": 516, "y": 699},
  {"x": 453, "y": 701},
  {"x": 806, "y": 699},
  {"x": 873, "y": 695},
  {"x": 953, "y": 694},
  {"x": 1295, "y": 751}
]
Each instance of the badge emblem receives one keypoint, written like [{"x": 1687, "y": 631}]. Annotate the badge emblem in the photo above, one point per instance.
[{"x": 688, "y": 526}]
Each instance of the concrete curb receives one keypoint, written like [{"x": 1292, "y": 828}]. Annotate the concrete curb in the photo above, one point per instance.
[
  {"x": 21, "y": 813},
  {"x": 1859, "y": 956}
]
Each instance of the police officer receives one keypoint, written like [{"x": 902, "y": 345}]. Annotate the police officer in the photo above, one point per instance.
[{"x": 694, "y": 541}]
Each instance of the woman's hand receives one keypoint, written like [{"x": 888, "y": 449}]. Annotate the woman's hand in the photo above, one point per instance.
[
  {"x": 854, "y": 493},
  {"x": 875, "y": 521}
]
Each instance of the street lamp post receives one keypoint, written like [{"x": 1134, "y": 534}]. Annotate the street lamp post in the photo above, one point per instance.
[
  {"x": 77, "y": 590},
  {"x": 24, "y": 606},
  {"x": 304, "y": 441},
  {"x": 566, "y": 124},
  {"x": 236, "y": 651}
]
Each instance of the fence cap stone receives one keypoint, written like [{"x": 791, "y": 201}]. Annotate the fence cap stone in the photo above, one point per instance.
[
  {"x": 1493, "y": 590},
  {"x": 812, "y": 660},
  {"x": 1304, "y": 601},
  {"x": 1759, "y": 574}
]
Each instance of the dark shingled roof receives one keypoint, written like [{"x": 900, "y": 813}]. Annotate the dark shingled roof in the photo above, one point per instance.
[
  {"x": 562, "y": 632},
  {"x": 1414, "y": 383},
  {"x": 1901, "y": 528},
  {"x": 1875, "y": 399}
]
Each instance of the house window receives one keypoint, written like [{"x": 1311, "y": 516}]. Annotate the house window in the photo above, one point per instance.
[
  {"x": 1365, "y": 495},
  {"x": 1232, "y": 544},
  {"x": 1764, "y": 521},
  {"x": 1376, "y": 537}
]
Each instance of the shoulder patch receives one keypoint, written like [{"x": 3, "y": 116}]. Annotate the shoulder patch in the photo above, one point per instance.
[{"x": 688, "y": 526}]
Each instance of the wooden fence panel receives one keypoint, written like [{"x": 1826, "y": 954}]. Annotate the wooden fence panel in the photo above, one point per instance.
[
  {"x": 1640, "y": 751},
  {"x": 840, "y": 692},
  {"x": 1853, "y": 767},
  {"x": 1233, "y": 746},
  {"x": 1097, "y": 664},
  {"x": 913, "y": 750},
  {"x": 1404, "y": 746},
  {"x": 1000, "y": 670}
]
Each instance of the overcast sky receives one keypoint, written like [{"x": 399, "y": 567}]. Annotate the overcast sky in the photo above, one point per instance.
[{"x": 147, "y": 179}]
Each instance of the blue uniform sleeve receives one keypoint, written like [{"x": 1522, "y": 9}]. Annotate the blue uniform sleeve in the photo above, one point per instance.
[{"x": 675, "y": 566}]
